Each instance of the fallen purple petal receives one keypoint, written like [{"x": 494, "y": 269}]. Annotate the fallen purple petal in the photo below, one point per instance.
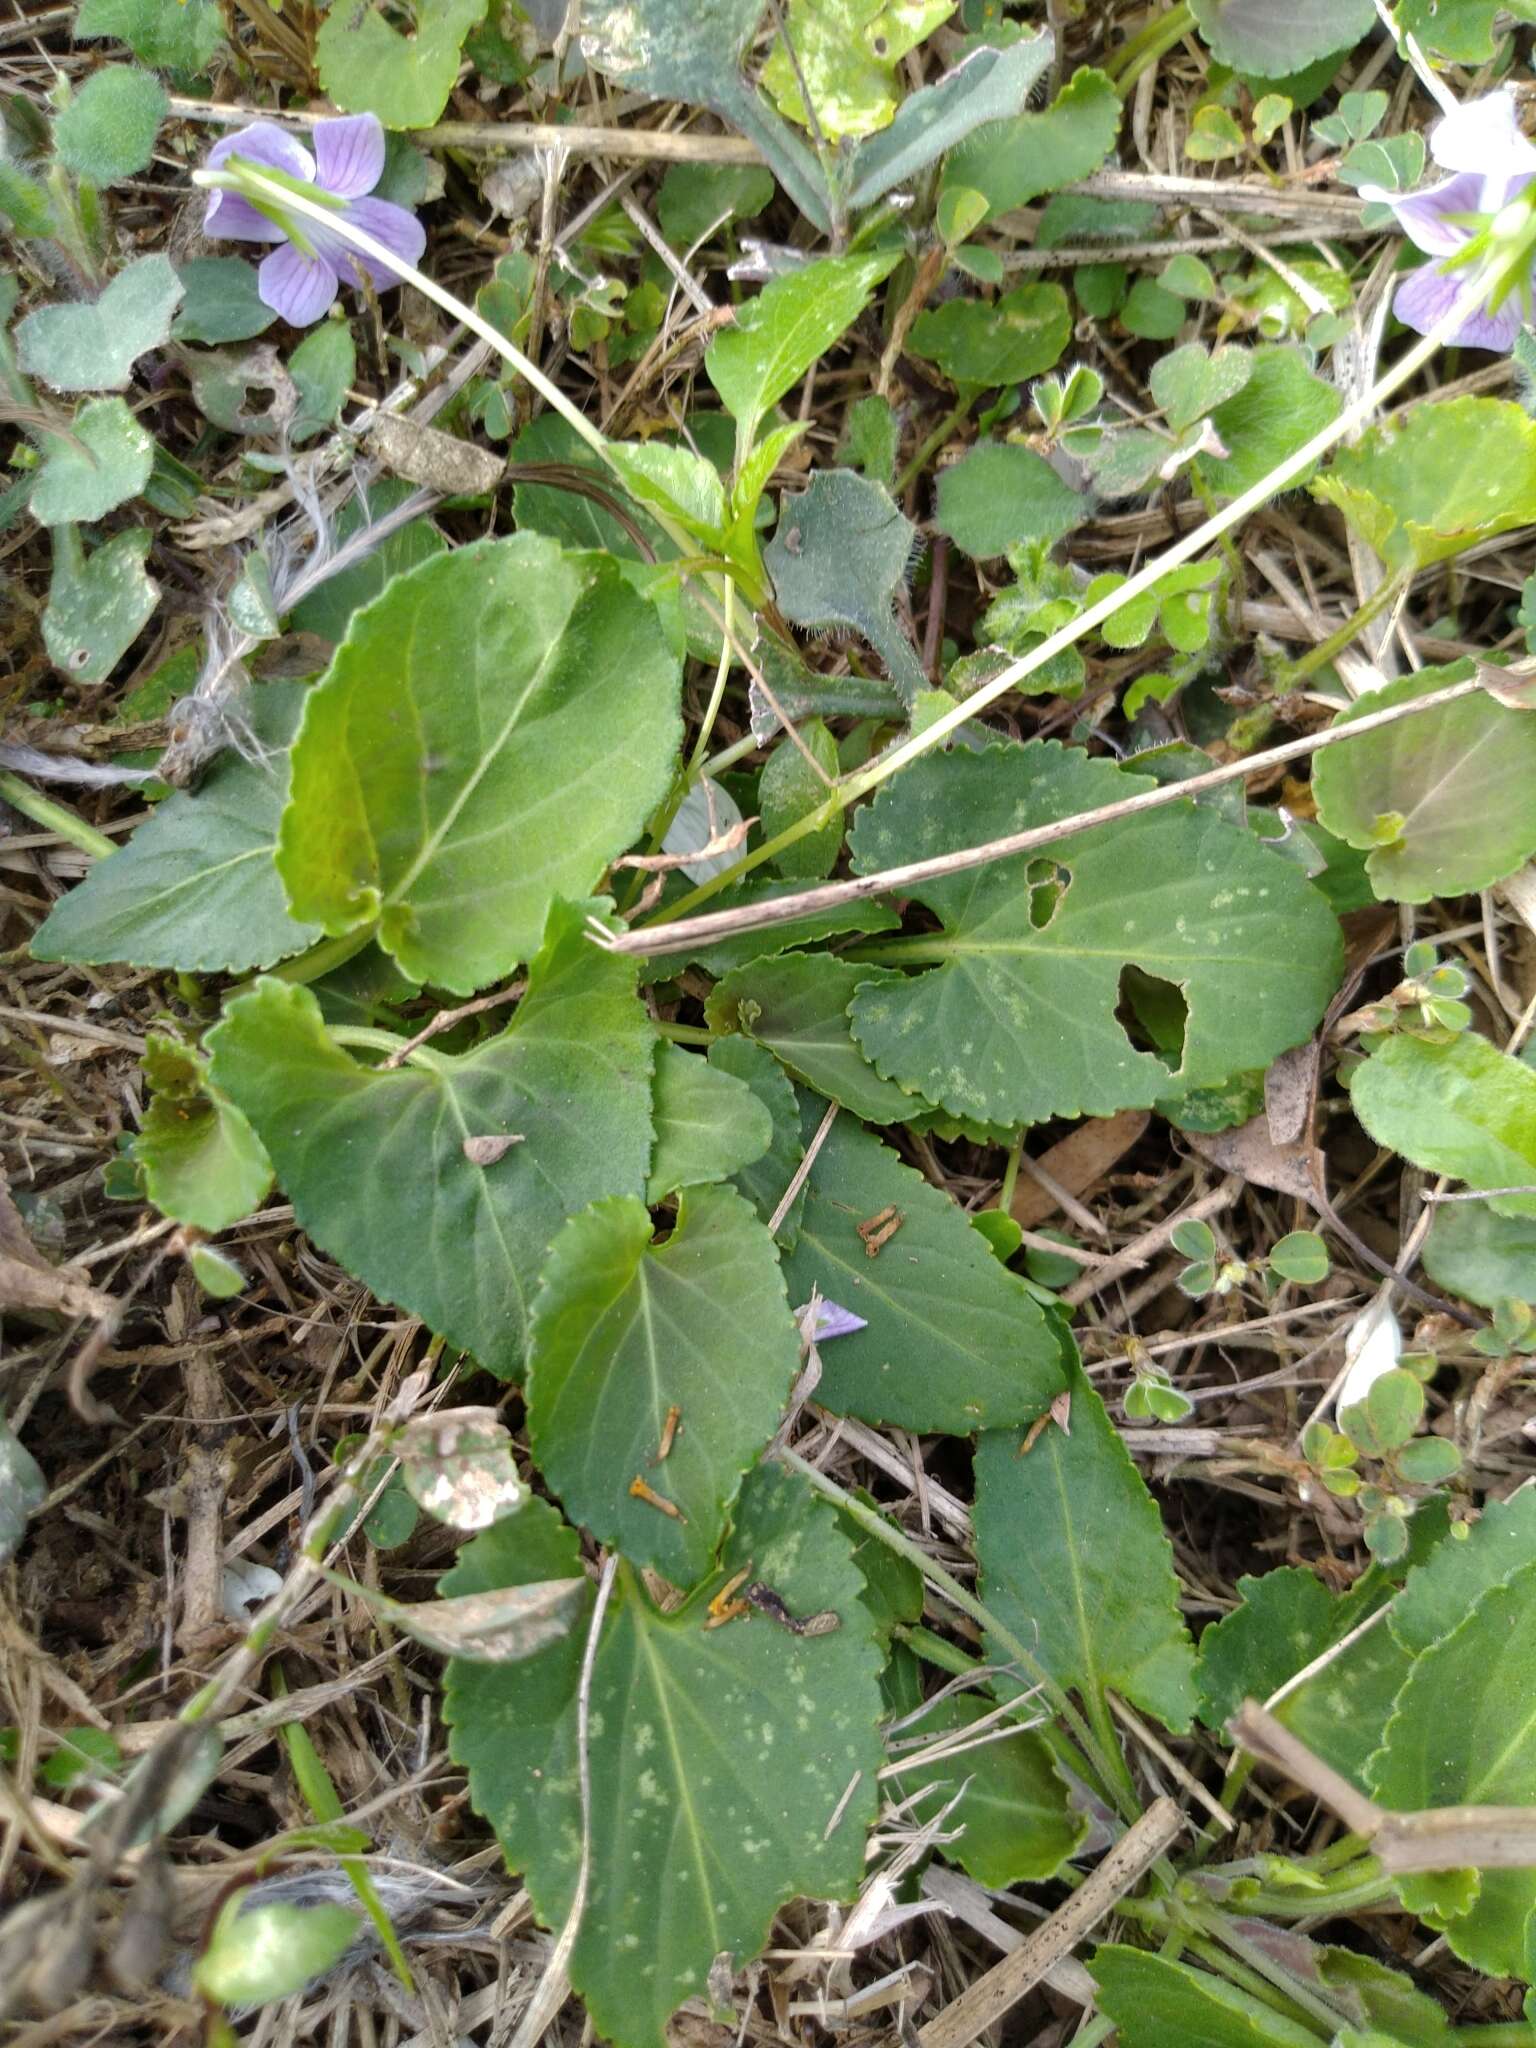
[{"x": 832, "y": 1320}]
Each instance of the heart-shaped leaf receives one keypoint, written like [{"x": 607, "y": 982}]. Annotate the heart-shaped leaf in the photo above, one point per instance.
[
  {"x": 980, "y": 343},
  {"x": 98, "y": 604},
  {"x": 92, "y": 345},
  {"x": 1462, "y": 1108},
  {"x": 448, "y": 781},
  {"x": 103, "y": 460},
  {"x": 374, "y": 1160},
  {"x": 1192, "y": 381},
  {"x": 203, "y": 1164},
  {"x": 999, "y": 496},
  {"x": 658, "y": 1372},
  {"x": 368, "y": 66},
  {"x": 107, "y": 131}
]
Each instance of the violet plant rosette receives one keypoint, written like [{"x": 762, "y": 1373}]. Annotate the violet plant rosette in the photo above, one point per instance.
[
  {"x": 1465, "y": 221},
  {"x": 301, "y": 277}
]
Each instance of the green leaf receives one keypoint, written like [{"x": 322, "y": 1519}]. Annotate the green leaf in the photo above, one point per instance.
[
  {"x": 1158, "y": 2003},
  {"x": 98, "y": 604},
  {"x": 792, "y": 323},
  {"x": 625, "y": 1331},
  {"x": 979, "y": 343},
  {"x": 1464, "y": 1109},
  {"x": 999, "y": 496},
  {"x": 693, "y": 197},
  {"x": 796, "y": 1004},
  {"x": 1445, "y": 802},
  {"x": 1427, "y": 485},
  {"x": 203, "y": 1164},
  {"x": 1252, "y": 35},
  {"x": 23, "y": 1489},
  {"x": 846, "y": 53},
  {"x": 1440, "y": 1593},
  {"x": 709, "y": 1125},
  {"x": 985, "y": 87},
  {"x": 788, "y": 788},
  {"x": 837, "y": 558},
  {"x": 1461, "y": 30},
  {"x": 374, "y": 1160},
  {"x": 1481, "y": 1256},
  {"x": 1391, "y": 1411},
  {"x": 92, "y": 345},
  {"x": 1280, "y": 407},
  {"x": 954, "y": 1341},
  {"x": 764, "y": 1181},
  {"x": 322, "y": 367},
  {"x": 1075, "y": 1562},
  {"x": 195, "y": 888},
  {"x": 222, "y": 302},
  {"x": 1018, "y": 1823},
  {"x": 1301, "y": 1256},
  {"x": 103, "y": 460},
  {"x": 180, "y": 39},
  {"x": 328, "y": 610},
  {"x": 1451, "y": 1742},
  {"x": 1383, "y": 1998},
  {"x": 720, "y": 1757},
  {"x": 1287, "y": 1617},
  {"x": 1012, "y": 162},
  {"x": 368, "y": 67},
  {"x": 1213, "y": 134},
  {"x": 1016, "y": 1022},
  {"x": 257, "y": 1954},
  {"x": 1192, "y": 381},
  {"x": 107, "y": 132},
  {"x": 216, "y": 1272},
  {"x": 451, "y": 776}
]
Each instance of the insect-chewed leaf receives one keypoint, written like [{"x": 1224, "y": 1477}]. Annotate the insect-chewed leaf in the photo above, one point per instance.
[
  {"x": 501, "y": 1627},
  {"x": 1074, "y": 1560},
  {"x": 624, "y": 1333},
  {"x": 1016, "y": 1022},
  {"x": 719, "y": 1757},
  {"x": 368, "y": 66},
  {"x": 458, "y": 1466},
  {"x": 953, "y": 1340},
  {"x": 374, "y": 1162},
  {"x": 455, "y": 770}
]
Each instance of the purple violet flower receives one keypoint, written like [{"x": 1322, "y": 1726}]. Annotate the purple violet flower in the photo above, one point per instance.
[
  {"x": 1491, "y": 163},
  {"x": 300, "y": 278},
  {"x": 832, "y": 1320}
]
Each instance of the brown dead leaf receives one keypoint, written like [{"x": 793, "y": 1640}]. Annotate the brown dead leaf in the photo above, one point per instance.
[{"x": 1079, "y": 1162}]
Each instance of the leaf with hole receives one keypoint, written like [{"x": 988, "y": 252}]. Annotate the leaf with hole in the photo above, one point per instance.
[
  {"x": 723, "y": 1757},
  {"x": 1014, "y": 1019},
  {"x": 98, "y": 604},
  {"x": 1463, "y": 1108},
  {"x": 457, "y": 1464},
  {"x": 797, "y": 1005},
  {"x": 709, "y": 1125},
  {"x": 374, "y": 1160},
  {"x": 449, "y": 777},
  {"x": 93, "y": 344},
  {"x": 953, "y": 1341},
  {"x": 846, "y": 54},
  {"x": 1445, "y": 802},
  {"x": 838, "y": 556},
  {"x": 99, "y": 462},
  {"x": 195, "y": 888},
  {"x": 625, "y": 1332},
  {"x": 368, "y": 66},
  {"x": 1075, "y": 1562}
]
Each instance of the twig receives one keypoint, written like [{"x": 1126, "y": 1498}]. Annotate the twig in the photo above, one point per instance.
[
  {"x": 797, "y": 1180},
  {"x": 446, "y": 1019},
  {"x": 1142, "y": 1249}
]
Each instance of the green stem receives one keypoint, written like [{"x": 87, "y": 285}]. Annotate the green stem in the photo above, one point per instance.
[
  {"x": 1500, "y": 2034},
  {"x": 323, "y": 958},
  {"x": 1293, "y": 672},
  {"x": 1227, "y": 1955},
  {"x": 386, "y": 1042},
  {"x": 934, "y": 442},
  {"x": 53, "y": 816},
  {"x": 686, "y": 1034},
  {"x": 1149, "y": 32},
  {"x": 1011, "y": 1172},
  {"x": 1149, "y": 48}
]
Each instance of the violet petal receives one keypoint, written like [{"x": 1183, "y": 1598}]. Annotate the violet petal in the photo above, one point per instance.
[
  {"x": 263, "y": 142},
  {"x": 1483, "y": 136},
  {"x": 832, "y": 1320},
  {"x": 234, "y": 218},
  {"x": 349, "y": 154},
  {"x": 395, "y": 226},
  {"x": 1424, "y": 216},
  {"x": 297, "y": 287},
  {"x": 1428, "y": 294}
]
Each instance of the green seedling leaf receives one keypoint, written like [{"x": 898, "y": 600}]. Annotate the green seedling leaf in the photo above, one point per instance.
[
  {"x": 222, "y": 302},
  {"x": 954, "y": 1341},
  {"x": 1302, "y": 1257},
  {"x": 23, "y": 1489},
  {"x": 457, "y": 1464},
  {"x": 83, "y": 1753},
  {"x": 1158, "y": 2003},
  {"x": 195, "y": 888},
  {"x": 847, "y": 52},
  {"x": 1481, "y": 1256},
  {"x": 1445, "y": 803},
  {"x": 180, "y": 39},
  {"x": 797, "y": 1005},
  {"x": 1274, "y": 42},
  {"x": 1017, "y": 1022},
  {"x": 1280, "y": 407},
  {"x": 1390, "y": 1413},
  {"x": 1075, "y": 1562},
  {"x": 107, "y": 132},
  {"x": 368, "y": 66},
  {"x": 257, "y": 1954},
  {"x": 203, "y": 1164},
  {"x": 323, "y": 367},
  {"x": 709, "y": 1125},
  {"x": 97, "y": 604},
  {"x": 1019, "y": 1826},
  {"x": 985, "y": 87},
  {"x": 720, "y": 1756},
  {"x": 789, "y": 787},
  {"x": 1000, "y": 496},
  {"x": 1463, "y": 1108},
  {"x": 765, "y": 1181},
  {"x": 1444, "y": 477},
  {"x": 980, "y": 343},
  {"x": 100, "y": 463},
  {"x": 93, "y": 345},
  {"x": 455, "y": 722},
  {"x": 328, "y": 610},
  {"x": 458, "y": 1243},
  {"x": 1193, "y": 381},
  {"x": 838, "y": 556},
  {"x": 624, "y": 1333},
  {"x": 216, "y": 1272},
  {"x": 792, "y": 323},
  {"x": 1454, "y": 1743},
  {"x": 1011, "y": 162}
]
